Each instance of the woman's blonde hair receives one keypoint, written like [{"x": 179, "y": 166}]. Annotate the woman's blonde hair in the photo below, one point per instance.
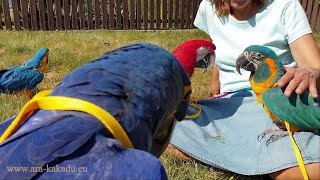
[{"x": 223, "y": 8}]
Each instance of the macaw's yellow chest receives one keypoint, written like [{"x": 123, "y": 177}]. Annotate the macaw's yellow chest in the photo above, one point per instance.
[
  {"x": 259, "y": 88},
  {"x": 268, "y": 82}
]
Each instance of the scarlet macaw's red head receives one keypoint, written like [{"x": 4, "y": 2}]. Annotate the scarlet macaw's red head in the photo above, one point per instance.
[{"x": 195, "y": 54}]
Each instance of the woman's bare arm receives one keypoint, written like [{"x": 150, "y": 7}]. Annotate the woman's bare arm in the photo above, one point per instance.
[{"x": 307, "y": 75}]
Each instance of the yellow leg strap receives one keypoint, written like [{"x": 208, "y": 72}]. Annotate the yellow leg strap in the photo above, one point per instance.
[
  {"x": 298, "y": 154},
  {"x": 42, "y": 101},
  {"x": 194, "y": 116}
]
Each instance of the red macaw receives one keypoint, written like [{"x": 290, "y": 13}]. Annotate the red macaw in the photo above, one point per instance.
[{"x": 195, "y": 54}]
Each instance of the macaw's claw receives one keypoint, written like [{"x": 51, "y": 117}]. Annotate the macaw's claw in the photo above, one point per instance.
[
  {"x": 272, "y": 129},
  {"x": 276, "y": 137},
  {"x": 28, "y": 94}
]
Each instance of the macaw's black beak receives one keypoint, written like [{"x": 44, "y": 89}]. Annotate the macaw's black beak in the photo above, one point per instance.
[
  {"x": 162, "y": 136},
  {"x": 244, "y": 62},
  {"x": 207, "y": 62}
]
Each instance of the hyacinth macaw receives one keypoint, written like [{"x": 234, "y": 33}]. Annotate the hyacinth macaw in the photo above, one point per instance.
[
  {"x": 302, "y": 112},
  {"x": 195, "y": 53},
  {"x": 141, "y": 85},
  {"x": 26, "y": 77}
]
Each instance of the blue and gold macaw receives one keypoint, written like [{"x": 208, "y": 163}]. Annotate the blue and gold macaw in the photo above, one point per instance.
[
  {"x": 302, "y": 112},
  {"x": 25, "y": 78},
  {"x": 141, "y": 89}
]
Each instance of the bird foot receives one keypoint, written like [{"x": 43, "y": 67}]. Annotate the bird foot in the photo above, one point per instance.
[
  {"x": 27, "y": 94},
  {"x": 276, "y": 137},
  {"x": 218, "y": 95},
  {"x": 272, "y": 129}
]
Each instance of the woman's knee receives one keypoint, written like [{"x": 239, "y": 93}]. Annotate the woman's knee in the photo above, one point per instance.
[{"x": 294, "y": 173}]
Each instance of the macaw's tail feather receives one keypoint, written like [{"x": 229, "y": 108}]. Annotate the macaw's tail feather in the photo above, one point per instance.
[
  {"x": 3, "y": 71},
  {"x": 300, "y": 111},
  {"x": 2, "y": 88}
]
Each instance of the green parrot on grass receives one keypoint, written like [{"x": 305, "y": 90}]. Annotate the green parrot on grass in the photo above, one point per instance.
[{"x": 302, "y": 112}]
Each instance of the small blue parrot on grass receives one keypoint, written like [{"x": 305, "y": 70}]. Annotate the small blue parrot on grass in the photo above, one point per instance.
[
  {"x": 143, "y": 87},
  {"x": 302, "y": 112},
  {"x": 25, "y": 78}
]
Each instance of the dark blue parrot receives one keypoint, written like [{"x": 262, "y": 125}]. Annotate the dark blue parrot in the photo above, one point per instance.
[
  {"x": 142, "y": 86},
  {"x": 25, "y": 78}
]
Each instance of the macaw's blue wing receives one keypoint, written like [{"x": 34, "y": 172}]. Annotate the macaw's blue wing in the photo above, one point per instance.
[
  {"x": 141, "y": 85},
  {"x": 10, "y": 68},
  {"x": 20, "y": 78},
  {"x": 299, "y": 110},
  {"x": 108, "y": 160},
  {"x": 73, "y": 148}
]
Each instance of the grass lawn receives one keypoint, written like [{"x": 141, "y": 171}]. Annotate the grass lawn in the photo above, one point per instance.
[{"x": 69, "y": 50}]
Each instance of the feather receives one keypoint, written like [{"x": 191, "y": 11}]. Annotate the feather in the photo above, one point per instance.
[{"x": 141, "y": 85}]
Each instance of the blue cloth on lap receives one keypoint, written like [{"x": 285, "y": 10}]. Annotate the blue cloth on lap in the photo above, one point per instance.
[{"x": 225, "y": 136}]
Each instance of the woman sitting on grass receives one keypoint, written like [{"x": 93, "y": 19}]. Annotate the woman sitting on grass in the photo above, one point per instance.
[{"x": 237, "y": 119}]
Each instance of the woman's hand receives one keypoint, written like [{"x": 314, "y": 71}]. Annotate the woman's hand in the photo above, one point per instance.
[
  {"x": 301, "y": 79},
  {"x": 306, "y": 53}
]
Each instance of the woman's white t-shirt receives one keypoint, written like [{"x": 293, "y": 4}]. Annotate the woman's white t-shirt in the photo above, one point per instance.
[{"x": 276, "y": 25}]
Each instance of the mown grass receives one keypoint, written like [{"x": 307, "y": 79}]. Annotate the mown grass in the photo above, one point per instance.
[{"x": 69, "y": 50}]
